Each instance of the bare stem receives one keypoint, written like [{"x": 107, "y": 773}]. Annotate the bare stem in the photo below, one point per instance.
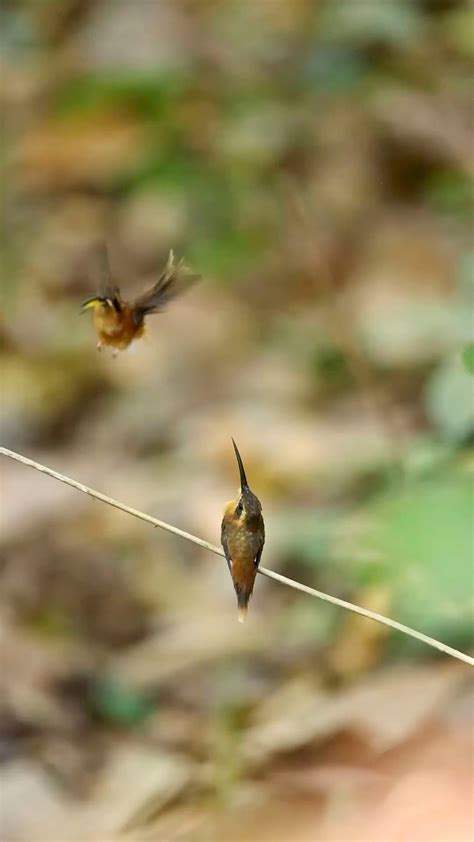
[{"x": 341, "y": 603}]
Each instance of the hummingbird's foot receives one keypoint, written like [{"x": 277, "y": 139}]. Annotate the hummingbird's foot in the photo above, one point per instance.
[{"x": 99, "y": 346}]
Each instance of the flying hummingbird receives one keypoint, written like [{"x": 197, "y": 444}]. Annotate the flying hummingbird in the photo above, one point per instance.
[
  {"x": 117, "y": 322},
  {"x": 242, "y": 538}
]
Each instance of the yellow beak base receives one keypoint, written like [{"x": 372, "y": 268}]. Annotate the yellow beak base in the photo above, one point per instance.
[{"x": 90, "y": 304}]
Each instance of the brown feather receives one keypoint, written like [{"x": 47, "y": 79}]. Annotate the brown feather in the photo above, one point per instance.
[{"x": 174, "y": 280}]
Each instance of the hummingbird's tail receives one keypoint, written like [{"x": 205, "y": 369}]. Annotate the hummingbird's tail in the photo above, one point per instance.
[
  {"x": 242, "y": 614},
  {"x": 243, "y": 596}
]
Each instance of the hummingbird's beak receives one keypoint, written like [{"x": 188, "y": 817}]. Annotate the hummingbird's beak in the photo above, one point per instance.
[
  {"x": 89, "y": 304},
  {"x": 243, "y": 478},
  {"x": 242, "y": 615}
]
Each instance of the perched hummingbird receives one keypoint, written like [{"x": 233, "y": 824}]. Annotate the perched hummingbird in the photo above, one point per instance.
[
  {"x": 117, "y": 322},
  {"x": 243, "y": 537}
]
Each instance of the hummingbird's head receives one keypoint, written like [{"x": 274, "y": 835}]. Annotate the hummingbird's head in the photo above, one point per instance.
[
  {"x": 248, "y": 508},
  {"x": 97, "y": 302},
  {"x": 108, "y": 298}
]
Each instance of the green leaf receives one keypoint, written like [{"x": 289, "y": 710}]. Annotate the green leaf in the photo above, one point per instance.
[
  {"x": 392, "y": 22},
  {"x": 450, "y": 401},
  {"x": 451, "y": 192},
  {"x": 306, "y": 537},
  {"x": 425, "y": 534},
  {"x": 459, "y": 28},
  {"x": 468, "y": 357},
  {"x": 225, "y": 253},
  {"x": 119, "y": 704},
  {"x": 146, "y": 94}
]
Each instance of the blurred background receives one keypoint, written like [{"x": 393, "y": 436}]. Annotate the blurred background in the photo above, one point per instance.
[{"x": 313, "y": 162}]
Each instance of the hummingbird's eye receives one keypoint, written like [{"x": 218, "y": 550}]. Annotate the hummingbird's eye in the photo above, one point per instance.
[{"x": 239, "y": 509}]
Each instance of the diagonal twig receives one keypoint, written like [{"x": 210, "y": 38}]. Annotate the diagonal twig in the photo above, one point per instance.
[{"x": 341, "y": 603}]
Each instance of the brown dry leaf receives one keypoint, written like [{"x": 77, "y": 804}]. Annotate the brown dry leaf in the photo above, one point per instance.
[
  {"x": 425, "y": 794},
  {"x": 190, "y": 644},
  {"x": 29, "y": 669},
  {"x": 421, "y": 792},
  {"x": 332, "y": 800},
  {"x": 132, "y": 37},
  {"x": 61, "y": 154},
  {"x": 134, "y": 783},
  {"x": 387, "y": 707},
  {"x": 137, "y": 783},
  {"x": 429, "y": 122},
  {"x": 48, "y": 815}
]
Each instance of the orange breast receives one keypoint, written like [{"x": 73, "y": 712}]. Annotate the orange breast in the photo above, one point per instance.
[
  {"x": 243, "y": 547},
  {"x": 117, "y": 329}
]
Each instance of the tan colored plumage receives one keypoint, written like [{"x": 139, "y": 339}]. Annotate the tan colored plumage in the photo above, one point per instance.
[
  {"x": 243, "y": 537},
  {"x": 117, "y": 323},
  {"x": 117, "y": 330}
]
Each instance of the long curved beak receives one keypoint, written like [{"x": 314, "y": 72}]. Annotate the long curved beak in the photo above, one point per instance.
[{"x": 243, "y": 478}]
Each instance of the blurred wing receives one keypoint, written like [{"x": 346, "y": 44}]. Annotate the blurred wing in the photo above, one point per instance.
[
  {"x": 107, "y": 289},
  {"x": 175, "y": 279}
]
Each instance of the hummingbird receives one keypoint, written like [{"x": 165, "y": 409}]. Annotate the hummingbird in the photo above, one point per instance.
[
  {"x": 242, "y": 538},
  {"x": 117, "y": 322}
]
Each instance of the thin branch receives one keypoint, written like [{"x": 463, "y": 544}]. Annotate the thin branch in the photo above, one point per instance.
[{"x": 341, "y": 603}]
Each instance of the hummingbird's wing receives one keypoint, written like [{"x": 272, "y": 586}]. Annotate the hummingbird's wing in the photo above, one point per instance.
[
  {"x": 225, "y": 547},
  {"x": 175, "y": 279},
  {"x": 108, "y": 291}
]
